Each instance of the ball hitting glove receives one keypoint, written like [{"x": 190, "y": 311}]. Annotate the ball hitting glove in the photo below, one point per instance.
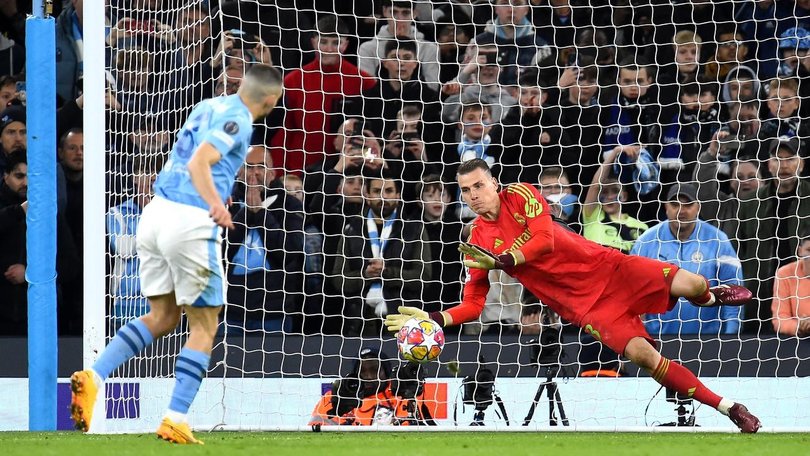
[
  {"x": 393, "y": 322},
  {"x": 481, "y": 259}
]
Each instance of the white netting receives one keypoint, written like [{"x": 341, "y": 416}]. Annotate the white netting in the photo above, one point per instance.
[{"x": 605, "y": 106}]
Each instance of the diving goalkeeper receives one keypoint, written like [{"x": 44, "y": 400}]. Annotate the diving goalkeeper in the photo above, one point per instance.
[{"x": 597, "y": 288}]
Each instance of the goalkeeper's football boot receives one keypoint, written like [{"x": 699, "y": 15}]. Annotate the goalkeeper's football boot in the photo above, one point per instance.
[
  {"x": 744, "y": 420},
  {"x": 176, "y": 432},
  {"x": 83, "y": 391},
  {"x": 730, "y": 295}
]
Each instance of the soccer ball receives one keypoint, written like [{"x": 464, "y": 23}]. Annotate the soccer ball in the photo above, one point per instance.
[{"x": 420, "y": 340}]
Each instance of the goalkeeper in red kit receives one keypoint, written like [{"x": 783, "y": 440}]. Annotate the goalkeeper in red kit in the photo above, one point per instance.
[{"x": 597, "y": 288}]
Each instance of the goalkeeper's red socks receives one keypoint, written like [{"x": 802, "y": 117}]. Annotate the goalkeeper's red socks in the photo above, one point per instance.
[
  {"x": 706, "y": 298},
  {"x": 676, "y": 377}
]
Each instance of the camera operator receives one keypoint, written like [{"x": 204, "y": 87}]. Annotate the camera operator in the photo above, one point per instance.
[
  {"x": 358, "y": 398},
  {"x": 373, "y": 393}
]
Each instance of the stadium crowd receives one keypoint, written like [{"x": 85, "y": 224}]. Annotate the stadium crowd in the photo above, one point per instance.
[{"x": 671, "y": 129}]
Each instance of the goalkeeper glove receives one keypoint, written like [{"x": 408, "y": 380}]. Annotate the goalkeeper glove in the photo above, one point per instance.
[
  {"x": 481, "y": 259},
  {"x": 394, "y": 322}
]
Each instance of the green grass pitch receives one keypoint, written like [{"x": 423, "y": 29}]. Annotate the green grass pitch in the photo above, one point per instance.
[{"x": 410, "y": 444}]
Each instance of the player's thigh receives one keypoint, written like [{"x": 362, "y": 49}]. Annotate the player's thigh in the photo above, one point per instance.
[
  {"x": 643, "y": 285},
  {"x": 153, "y": 270},
  {"x": 615, "y": 329},
  {"x": 196, "y": 269}
]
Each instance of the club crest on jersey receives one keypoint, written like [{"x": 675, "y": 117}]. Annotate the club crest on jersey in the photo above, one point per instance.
[
  {"x": 231, "y": 128},
  {"x": 697, "y": 257},
  {"x": 519, "y": 218},
  {"x": 533, "y": 208}
]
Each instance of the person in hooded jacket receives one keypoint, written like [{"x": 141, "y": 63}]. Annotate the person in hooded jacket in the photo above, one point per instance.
[{"x": 361, "y": 398}]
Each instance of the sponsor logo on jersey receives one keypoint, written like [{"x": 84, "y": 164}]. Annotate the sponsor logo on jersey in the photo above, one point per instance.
[
  {"x": 519, "y": 218},
  {"x": 667, "y": 271},
  {"x": 520, "y": 240},
  {"x": 533, "y": 208},
  {"x": 498, "y": 242}
]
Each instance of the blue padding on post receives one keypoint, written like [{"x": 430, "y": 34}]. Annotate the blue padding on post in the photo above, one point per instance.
[{"x": 40, "y": 69}]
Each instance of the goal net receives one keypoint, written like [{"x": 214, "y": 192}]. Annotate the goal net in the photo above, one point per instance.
[{"x": 633, "y": 119}]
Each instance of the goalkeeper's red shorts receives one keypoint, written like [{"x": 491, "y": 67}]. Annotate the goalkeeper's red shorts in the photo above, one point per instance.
[{"x": 639, "y": 286}]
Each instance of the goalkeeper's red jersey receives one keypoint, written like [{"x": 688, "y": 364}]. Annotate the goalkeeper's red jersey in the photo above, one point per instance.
[{"x": 564, "y": 270}]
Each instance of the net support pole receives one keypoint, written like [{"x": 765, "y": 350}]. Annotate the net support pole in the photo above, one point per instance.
[
  {"x": 40, "y": 64},
  {"x": 95, "y": 127}
]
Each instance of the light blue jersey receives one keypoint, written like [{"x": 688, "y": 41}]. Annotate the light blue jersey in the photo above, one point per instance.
[
  {"x": 122, "y": 224},
  {"x": 226, "y": 124},
  {"x": 707, "y": 252}
]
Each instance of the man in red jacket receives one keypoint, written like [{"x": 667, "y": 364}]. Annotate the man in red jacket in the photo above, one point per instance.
[
  {"x": 310, "y": 96},
  {"x": 597, "y": 288}
]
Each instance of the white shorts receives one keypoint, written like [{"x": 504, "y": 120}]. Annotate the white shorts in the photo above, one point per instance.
[{"x": 180, "y": 250}]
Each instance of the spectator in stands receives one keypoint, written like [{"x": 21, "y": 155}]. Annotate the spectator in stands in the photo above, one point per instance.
[
  {"x": 71, "y": 160},
  {"x": 532, "y": 135},
  {"x": 685, "y": 128},
  {"x": 452, "y": 40},
  {"x": 731, "y": 51},
  {"x": 479, "y": 78},
  {"x": 229, "y": 81},
  {"x": 783, "y": 111},
  {"x": 475, "y": 126},
  {"x": 757, "y": 20},
  {"x": 515, "y": 41},
  {"x": 791, "y": 295},
  {"x": 13, "y": 207},
  {"x": 556, "y": 187},
  {"x": 69, "y": 61},
  {"x": 692, "y": 244},
  {"x": 720, "y": 205},
  {"x": 13, "y": 133},
  {"x": 12, "y": 27},
  {"x": 740, "y": 85},
  {"x": 443, "y": 235},
  {"x": 580, "y": 121},
  {"x": 502, "y": 307},
  {"x": 360, "y": 153},
  {"x": 399, "y": 16},
  {"x": 685, "y": 69},
  {"x": 631, "y": 128},
  {"x": 407, "y": 153},
  {"x": 13, "y": 259},
  {"x": 602, "y": 218},
  {"x": 794, "y": 45},
  {"x": 8, "y": 90},
  {"x": 133, "y": 71},
  {"x": 400, "y": 84},
  {"x": 382, "y": 260},
  {"x": 771, "y": 223},
  {"x": 265, "y": 251},
  {"x": 311, "y": 95},
  {"x": 122, "y": 224},
  {"x": 313, "y": 242},
  {"x": 557, "y": 21}
]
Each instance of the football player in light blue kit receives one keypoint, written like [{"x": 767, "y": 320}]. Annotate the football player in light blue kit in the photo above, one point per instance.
[{"x": 178, "y": 242}]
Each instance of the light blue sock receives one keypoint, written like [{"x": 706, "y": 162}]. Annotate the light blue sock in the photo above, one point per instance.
[
  {"x": 189, "y": 371},
  {"x": 128, "y": 342}
]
